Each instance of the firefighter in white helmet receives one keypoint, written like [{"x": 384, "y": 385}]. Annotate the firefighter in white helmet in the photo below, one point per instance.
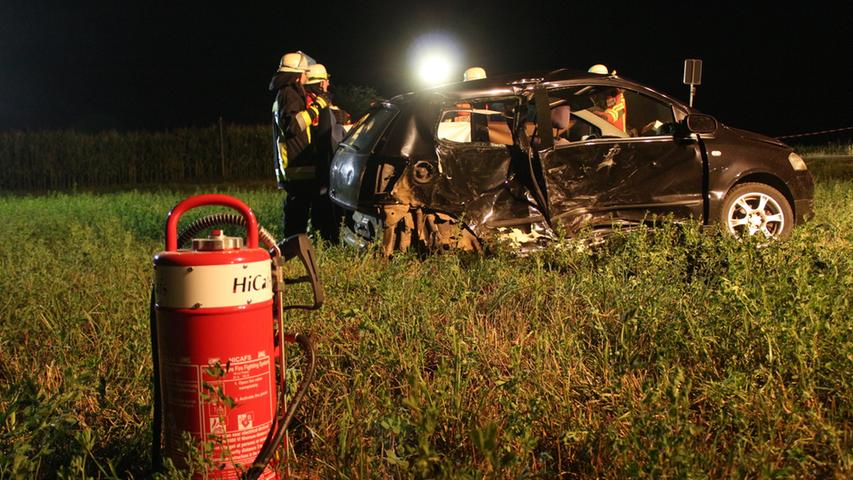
[
  {"x": 474, "y": 73},
  {"x": 614, "y": 109},
  {"x": 326, "y": 132},
  {"x": 293, "y": 113}
]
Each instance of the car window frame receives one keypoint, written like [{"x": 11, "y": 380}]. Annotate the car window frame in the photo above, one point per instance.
[
  {"x": 612, "y": 139},
  {"x": 445, "y": 107},
  {"x": 380, "y": 135}
]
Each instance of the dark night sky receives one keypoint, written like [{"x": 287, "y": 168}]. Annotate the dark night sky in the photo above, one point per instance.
[{"x": 156, "y": 65}]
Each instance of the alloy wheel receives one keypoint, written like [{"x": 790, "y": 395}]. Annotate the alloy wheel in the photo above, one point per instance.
[{"x": 755, "y": 212}]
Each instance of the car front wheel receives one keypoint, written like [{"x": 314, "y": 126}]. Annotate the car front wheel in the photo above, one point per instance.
[{"x": 756, "y": 208}]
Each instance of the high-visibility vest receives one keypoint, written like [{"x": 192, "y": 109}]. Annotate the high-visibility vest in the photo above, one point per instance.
[{"x": 617, "y": 114}]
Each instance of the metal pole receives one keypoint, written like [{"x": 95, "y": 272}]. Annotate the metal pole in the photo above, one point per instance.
[{"x": 692, "y": 94}]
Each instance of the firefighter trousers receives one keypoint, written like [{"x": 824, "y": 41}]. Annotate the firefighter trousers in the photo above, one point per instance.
[{"x": 307, "y": 199}]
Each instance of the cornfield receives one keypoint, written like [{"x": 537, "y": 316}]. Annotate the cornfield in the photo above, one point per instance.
[{"x": 67, "y": 160}]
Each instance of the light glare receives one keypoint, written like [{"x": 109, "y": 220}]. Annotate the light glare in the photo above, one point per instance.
[
  {"x": 434, "y": 59},
  {"x": 434, "y": 68}
]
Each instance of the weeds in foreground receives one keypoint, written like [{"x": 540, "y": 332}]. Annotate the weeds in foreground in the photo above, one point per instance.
[{"x": 662, "y": 353}]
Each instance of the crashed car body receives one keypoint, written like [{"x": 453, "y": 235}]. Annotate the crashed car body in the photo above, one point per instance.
[{"x": 524, "y": 157}]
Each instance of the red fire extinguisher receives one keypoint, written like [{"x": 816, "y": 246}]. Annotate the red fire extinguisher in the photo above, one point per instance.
[{"x": 218, "y": 342}]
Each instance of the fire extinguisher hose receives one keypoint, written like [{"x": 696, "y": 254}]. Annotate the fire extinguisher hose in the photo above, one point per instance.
[
  {"x": 157, "y": 423},
  {"x": 284, "y": 418},
  {"x": 221, "y": 219}
]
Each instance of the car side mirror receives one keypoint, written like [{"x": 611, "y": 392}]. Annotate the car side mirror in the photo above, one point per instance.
[{"x": 700, "y": 123}]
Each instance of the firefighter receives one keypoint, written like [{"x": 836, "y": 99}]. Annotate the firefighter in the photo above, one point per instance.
[
  {"x": 614, "y": 109},
  {"x": 293, "y": 113},
  {"x": 326, "y": 132},
  {"x": 317, "y": 83}
]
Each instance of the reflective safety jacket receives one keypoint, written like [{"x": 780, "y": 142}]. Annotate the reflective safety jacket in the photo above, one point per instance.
[
  {"x": 291, "y": 118},
  {"x": 616, "y": 113}
]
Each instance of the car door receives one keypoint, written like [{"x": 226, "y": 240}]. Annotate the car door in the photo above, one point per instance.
[
  {"x": 472, "y": 174},
  {"x": 598, "y": 173}
]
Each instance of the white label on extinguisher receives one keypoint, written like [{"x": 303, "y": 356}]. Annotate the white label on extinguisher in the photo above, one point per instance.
[{"x": 211, "y": 286}]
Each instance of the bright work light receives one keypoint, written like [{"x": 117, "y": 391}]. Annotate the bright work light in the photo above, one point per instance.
[{"x": 435, "y": 59}]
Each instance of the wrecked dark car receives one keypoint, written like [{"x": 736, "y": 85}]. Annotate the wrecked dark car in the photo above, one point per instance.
[{"x": 522, "y": 158}]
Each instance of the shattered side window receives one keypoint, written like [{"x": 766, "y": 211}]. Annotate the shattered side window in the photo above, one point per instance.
[{"x": 487, "y": 122}]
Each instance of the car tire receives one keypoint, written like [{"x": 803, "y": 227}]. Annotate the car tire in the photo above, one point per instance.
[{"x": 754, "y": 208}]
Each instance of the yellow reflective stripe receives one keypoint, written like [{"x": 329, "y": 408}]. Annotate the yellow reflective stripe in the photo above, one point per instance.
[
  {"x": 282, "y": 156},
  {"x": 303, "y": 119},
  {"x": 614, "y": 112}
]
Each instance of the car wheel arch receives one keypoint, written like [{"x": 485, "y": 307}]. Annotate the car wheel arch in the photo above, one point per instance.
[
  {"x": 750, "y": 208},
  {"x": 770, "y": 180}
]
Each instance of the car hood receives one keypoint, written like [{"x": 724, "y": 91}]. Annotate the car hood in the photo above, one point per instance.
[{"x": 747, "y": 135}]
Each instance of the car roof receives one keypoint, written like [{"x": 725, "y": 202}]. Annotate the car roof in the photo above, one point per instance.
[{"x": 501, "y": 85}]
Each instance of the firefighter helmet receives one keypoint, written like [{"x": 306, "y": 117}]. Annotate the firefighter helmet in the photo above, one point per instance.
[
  {"x": 316, "y": 74},
  {"x": 474, "y": 73},
  {"x": 294, "y": 62},
  {"x": 599, "y": 69}
]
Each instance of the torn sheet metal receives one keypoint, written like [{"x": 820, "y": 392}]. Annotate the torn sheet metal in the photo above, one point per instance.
[
  {"x": 590, "y": 184},
  {"x": 406, "y": 226},
  {"x": 476, "y": 185}
]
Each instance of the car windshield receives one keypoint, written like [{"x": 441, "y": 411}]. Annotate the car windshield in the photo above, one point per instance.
[{"x": 364, "y": 134}]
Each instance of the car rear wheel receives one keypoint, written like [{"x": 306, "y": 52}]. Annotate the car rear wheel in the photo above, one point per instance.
[{"x": 757, "y": 208}]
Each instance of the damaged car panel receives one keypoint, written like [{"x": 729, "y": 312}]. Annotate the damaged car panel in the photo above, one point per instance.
[
  {"x": 597, "y": 175},
  {"x": 517, "y": 157},
  {"x": 349, "y": 173}
]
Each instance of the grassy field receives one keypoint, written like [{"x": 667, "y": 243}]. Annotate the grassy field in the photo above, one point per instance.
[{"x": 672, "y": 353}]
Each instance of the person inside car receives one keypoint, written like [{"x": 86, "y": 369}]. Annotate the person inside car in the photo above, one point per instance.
[
  {"x": 561, "y": 122},
  {"x": 613, "y": 109}
]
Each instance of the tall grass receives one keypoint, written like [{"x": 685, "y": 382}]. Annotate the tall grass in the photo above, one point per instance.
[
  {"x": 664, "y": 353},
  {"x": 839, "y": 147}
]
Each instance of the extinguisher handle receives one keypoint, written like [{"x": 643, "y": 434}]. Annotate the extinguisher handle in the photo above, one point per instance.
[
  {"x": 205, "y": 200},
  {"x": 300, "y": 246}
]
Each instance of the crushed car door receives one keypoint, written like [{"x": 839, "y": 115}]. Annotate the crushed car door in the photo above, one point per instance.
[
  {"x": 598, "y": 170},
  {"x": 472, "y": 176}
]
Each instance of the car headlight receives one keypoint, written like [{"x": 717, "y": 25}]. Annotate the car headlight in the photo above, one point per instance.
[{"x": 797, "y": 162}]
